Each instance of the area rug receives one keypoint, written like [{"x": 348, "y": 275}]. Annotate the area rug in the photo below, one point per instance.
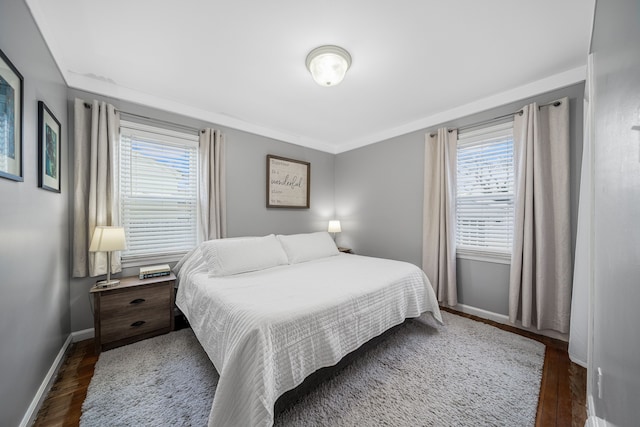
[{"x": 465, "y": 373}]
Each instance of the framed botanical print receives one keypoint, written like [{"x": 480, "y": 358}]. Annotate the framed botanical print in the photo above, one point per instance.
[
  {"x": 288, "y": 183},
  {"x": 11, "y": 108},
  {"x": 49, "y": 133}
]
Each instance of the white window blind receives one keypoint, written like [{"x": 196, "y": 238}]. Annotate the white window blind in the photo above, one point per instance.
[
  {"x": 158, "y": 192},
  {"x": 485, "y": 189}
]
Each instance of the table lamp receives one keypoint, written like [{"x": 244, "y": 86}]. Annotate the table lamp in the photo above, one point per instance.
[
  {"x": 334, "y": 227},
  {"x": 108, "y": 239}
]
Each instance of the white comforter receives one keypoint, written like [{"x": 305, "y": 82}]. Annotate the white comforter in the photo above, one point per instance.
[{"x": 266, "y": 331}]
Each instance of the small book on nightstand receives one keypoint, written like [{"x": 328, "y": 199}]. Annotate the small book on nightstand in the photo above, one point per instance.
[{"x": 154, "y": 271}]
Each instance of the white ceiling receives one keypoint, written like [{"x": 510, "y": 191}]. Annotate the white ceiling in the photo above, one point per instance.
[{"x": 241, "y": 63}]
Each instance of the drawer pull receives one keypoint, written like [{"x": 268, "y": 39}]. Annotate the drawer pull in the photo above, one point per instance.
[
  {"x": 138, "y": 323},
  {"x": 137, "y": 301}
]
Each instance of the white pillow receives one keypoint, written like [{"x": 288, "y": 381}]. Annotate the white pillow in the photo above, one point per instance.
[
  {"x": 309, "y": 246},
  {"x": 226, "y": 257}
]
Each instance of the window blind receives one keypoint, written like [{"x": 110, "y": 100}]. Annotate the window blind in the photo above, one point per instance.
[
  {"x": 485, "y": 189},
  {"x": 158, "y": 191}
]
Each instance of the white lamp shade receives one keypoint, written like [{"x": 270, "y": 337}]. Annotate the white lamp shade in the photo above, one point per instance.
[
  {"x": 328, "y": 64},
  {"x": 107, "y": 239},
  {"x": 334, "y": 226}
]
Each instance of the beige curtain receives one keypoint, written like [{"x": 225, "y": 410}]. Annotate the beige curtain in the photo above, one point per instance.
[
  {"x": 95, "y": 183},
  {"x": 213, "y": 221},
  {"x": 540, "y": 277},
  {"x": 439, "y": 234}
]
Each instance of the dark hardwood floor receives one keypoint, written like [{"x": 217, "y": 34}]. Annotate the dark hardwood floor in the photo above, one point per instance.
[
  {"x": 63, "y": 404},
  {"x": 561, "y": 402}
]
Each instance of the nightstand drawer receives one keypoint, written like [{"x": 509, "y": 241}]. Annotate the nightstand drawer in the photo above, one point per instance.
[
  {"x": 134, "y": 322},
  {"x": 131, "y": 300}
]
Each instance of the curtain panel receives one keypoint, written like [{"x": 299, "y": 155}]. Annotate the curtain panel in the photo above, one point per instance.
[
  {"x": 212, "y": 186},
  {"x": 95, "y": 183},
  {"x": 439, "y": 234},
  {"x": 540, "y": 275}
]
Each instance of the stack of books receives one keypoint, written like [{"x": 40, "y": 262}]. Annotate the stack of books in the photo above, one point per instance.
[{"x": 154, "y": 271}]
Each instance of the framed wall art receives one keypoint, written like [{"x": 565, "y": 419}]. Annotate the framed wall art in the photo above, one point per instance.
[
  {"x": 11, "y": 108},
  {"x": 49, "y": 133},
  {"x": 288, "y": 183}
]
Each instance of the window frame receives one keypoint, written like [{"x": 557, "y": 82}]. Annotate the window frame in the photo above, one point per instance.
[
  {"x": 486, "y": 254},
  {"x": 166, "y": 137}
]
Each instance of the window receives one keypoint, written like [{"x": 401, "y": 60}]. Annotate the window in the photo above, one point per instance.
[
  {"x": 158, "y": 193},
  {"x": 485, "y": 188}
]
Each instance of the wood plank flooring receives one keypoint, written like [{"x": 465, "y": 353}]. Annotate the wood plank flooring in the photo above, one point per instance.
[
  {"x": 63, "y": 404},
  {"x": 561, "y": 402}
]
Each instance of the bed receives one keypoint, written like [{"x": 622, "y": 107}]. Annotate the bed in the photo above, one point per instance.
[{"x": 271, "y": 310}]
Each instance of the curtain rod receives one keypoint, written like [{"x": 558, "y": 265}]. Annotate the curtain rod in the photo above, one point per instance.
[
  {"x": 151, "y": 119},
  {"x": 495, "y": 119}
]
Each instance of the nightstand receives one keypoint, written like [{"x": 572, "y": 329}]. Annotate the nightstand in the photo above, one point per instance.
[{"x": 133, "y": 310}]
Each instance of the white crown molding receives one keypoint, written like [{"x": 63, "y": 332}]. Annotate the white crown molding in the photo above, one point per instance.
[
  {"x": 109, "y": 89},
  {"x": 112, "y": 90},
  {"x": 557, "y": 81}
]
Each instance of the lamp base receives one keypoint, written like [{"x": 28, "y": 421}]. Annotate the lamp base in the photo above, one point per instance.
[{"x": 107, "y": 283}]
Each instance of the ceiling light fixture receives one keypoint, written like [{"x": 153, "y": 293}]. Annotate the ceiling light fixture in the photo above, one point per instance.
[{"x": 328, "y": 64}]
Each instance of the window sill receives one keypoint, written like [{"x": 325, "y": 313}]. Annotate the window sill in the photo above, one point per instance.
[
  {"x": 152, "y": 260},
  {"x": 484, "y": 256}
]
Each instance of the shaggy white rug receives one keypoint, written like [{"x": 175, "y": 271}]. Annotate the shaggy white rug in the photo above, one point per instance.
[{"x": 465, "y": 373}]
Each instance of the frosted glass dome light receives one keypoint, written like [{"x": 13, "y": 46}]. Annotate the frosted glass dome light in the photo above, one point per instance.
[{"x": 328, "y": 64}]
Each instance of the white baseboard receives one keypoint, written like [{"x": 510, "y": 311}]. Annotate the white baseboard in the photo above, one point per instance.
[
  {"x": 504, "y": 319},
  {"x": 32, "y": 410},
  {"x": 82, "y": 335},
  {"x": 591, "y": 407},
  {"x": 595, "y": 422},
  {"x": 592, "y": 419},
  {"x": 577, "y": 361}
]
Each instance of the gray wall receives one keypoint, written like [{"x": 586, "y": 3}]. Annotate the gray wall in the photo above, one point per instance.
[
  {"x": 379, "y": 192},
  {"x": 246, "y": 190},
  {"x": 34, "y": 306},
  {"x": 616, "y": 340},
  {"x": 246, "y": 187}
]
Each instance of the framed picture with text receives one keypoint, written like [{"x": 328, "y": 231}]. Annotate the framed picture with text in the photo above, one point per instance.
[
  {"x": 288, "y": 183},
  {"x": 11, "y": 108},
  {"x": 49, "y": 133}
]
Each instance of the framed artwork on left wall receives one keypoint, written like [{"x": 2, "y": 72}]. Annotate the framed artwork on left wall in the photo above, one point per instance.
[
  {"x": 49, "y": 133},
  {"x": 11, "y": 108}
]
